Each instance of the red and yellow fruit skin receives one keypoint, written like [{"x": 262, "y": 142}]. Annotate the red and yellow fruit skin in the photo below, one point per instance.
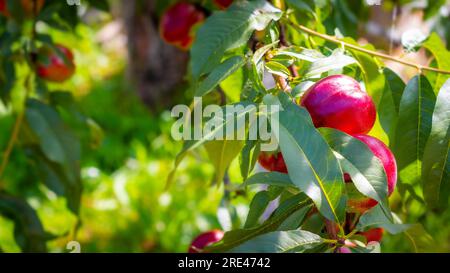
[
  {"x": 27, "y": 5},
  {"x": 373, "y": 235},
  {"x": 56, "y": 70},
  {"x": 273, "y": 162},
  {"x": 205, "y": 239},
  {"x": 338, "y": 102},
  {"x": 223, "y": 4},
  {"x": 380, "y": 150},
  {"x": 177, "y": 23}
]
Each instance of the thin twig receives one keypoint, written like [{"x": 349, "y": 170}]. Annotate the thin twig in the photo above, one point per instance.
[
  {"x": 361, "y": 49},
  {"x": 11, "y": 143},
  {"x": 19, "y": 120}
]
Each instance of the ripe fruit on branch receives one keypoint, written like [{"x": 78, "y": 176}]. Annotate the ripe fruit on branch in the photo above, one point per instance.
[
  {"x": 380, "y": 150},
  {"x": 338, "y": 102},
  {"x": 55, "y": 66},
  {"x": 177, "y": 24},
  {"x": 373, "y": 235},
  {"x": 273, "y": 162},
  {"x": 27, "y": 5},
  {"x": 223, "y": 4},
  {"x": 205, "y": 239}
]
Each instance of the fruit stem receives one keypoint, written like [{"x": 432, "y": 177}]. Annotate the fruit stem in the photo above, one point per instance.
[{"x": 361, "y": 49}]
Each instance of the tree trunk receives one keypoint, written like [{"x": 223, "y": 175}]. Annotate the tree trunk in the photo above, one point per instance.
[{"x": 155, "y": 67}]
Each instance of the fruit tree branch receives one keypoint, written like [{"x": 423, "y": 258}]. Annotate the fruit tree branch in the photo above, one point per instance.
[
  {"x": 11, "y": 142},
  {"x": 361, "y": 49}
]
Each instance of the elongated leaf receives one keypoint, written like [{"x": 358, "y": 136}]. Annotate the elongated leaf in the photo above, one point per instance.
[
  {"x": 248, "y": 157},
  {"x": 28, "y": 230},
  {"x": 436, "y": 158},
  {"x": 375, "y": 217},
  {"x": 435, "y": 45},
  {"x": 413, "y": 129},
  {"x": 311, "y": 164},
  {"x": 390, "y": 103},
  {"x": 230, "y": 118},
  {"x": 236, "y": 237},
  {"x": 294, "y": 241},
  {"x": 220, "y": 73},
  {"x": 278, "y": 69},
  {"x": 420, "y": 240},
  {"x": 295, "y": 220},
  {"x": 335, "y": 61},
  {"x": 300, "y": 53},
  {"x": 365, "y": 169},
  {"x": 270, "y": 178},
  {"x": 221, "y": 153},
  {"x": 227, "y": 30},
  {"x": 257, "y": 207},
  {"x": 61, "y": 152}
]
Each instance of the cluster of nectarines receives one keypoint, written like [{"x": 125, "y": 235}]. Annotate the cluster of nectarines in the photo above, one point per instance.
[
  {"x": 338, "y": 102},
  {"x": 53, "y": 63}
]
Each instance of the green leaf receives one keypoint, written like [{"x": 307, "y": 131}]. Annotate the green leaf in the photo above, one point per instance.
[
  {"x": 257, "y": 207},
  {"x": 61, "y": 152},
  {"x": 435, "y": 45},
  {"x": 278, "y": 69},
  {"x": 365, "y": 169},
  {"x": 294, "y": 241},
  {"x": 295, "y": 220},
  {"x": 300, "y": 53},
  {"x": 220, "y": 73},
  {"x": 226, "y": 30},
  {"x": 236, "y": 237},
  {"x": 376, "y": 217},
  {"x": 413, "y": 129},
  {"x": 390, "y": 103},
  {"x": 249, "y": 157},
  {"x": 336, "y": 60},
  {"x": 28, "y": 230},
  {"x": 221, "y": 153},
  {"x": 311, "y": 164},
  {"x": 420, "y": 239},
  {"x": 230, "y": 118},
  {"x": 270, "y": 178},
  {"x": 436, "y": 158},
  {"x": 234, "y": 85}
]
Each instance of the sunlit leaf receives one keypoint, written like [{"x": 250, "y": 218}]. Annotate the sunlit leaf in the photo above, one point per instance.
[{"x": 436, "y": 158}]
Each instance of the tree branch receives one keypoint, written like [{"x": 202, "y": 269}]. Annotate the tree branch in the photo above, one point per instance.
[{"x": 361, "y": 49}]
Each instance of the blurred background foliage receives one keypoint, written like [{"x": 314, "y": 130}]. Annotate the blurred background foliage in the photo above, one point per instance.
[{"x": 128, "y": 151}]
